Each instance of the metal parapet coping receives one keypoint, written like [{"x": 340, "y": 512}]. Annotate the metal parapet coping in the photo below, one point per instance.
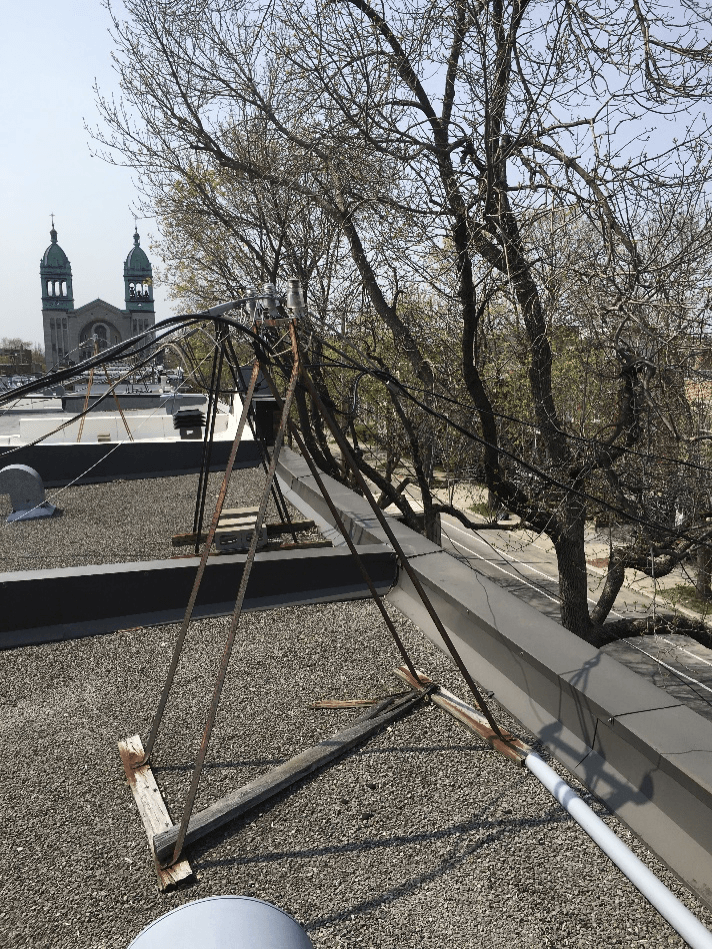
[{"x": 637, "y": 749}]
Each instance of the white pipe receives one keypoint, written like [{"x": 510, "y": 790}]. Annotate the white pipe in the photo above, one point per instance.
[{"x": 665, "y": 902}]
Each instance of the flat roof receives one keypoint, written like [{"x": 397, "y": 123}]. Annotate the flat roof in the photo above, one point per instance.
[{"x": 422, "y": 837}]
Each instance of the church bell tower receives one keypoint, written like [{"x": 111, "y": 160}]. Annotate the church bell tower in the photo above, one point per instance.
[
  {"x": 138, "y": 280},
  {"x": 57, "y": 302}
]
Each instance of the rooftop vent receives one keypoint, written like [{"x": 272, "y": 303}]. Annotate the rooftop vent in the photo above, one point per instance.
[{"x": 189, "y": 422}]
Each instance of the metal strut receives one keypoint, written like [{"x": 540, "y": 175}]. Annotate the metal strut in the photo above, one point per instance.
[
  {"x": 218, "y": 356},
  {"x": 258, "y": 436},
  {"x": 86, "y": 400},
  {"x": 178, "y": 648},
  {"x": 235, "y": 619},
  {"x": 342, "y": 527},
  {"x": 285, "y": 422}
]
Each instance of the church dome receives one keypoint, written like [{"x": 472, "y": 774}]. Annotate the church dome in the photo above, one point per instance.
[
  {"x": 56, "y": 277},
  {"x": 138, "y": 280},
  {"x": 54, "y": 257},
  {"x": 137, "y": 263}
]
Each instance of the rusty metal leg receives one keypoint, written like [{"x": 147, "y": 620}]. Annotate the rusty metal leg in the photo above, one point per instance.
[
  {"x": 86, "y": 401},
  {"x": 118, "y": 405},
  {"x": 354, "y": 552},
  {"x": 209, "y": 436},
  {"x": 344, "y": 448},
  {"x": 178, "y": 648},
  {"x": 235, "y": 619},
  {"x": 279, "y": 502}
]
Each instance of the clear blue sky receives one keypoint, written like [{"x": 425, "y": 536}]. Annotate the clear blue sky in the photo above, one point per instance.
[{"x": 50, "y": 53}]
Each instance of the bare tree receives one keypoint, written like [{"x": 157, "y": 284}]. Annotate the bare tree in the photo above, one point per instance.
[{"x": 441, "y": 139}]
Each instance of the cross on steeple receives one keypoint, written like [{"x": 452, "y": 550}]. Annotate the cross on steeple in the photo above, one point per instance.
[{"x": 52, "y": 216}]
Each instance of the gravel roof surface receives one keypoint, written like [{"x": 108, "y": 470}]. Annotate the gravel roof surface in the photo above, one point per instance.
[
  {"x": 118, "y": 521},
  {"x": 422, "y": 837}
]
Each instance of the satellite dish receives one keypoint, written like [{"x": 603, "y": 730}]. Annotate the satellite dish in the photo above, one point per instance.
[{"x": 224, "y": 922}]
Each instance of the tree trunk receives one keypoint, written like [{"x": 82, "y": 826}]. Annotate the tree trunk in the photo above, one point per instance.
[
  {"x": 611, "y": 588},
  {"x": 704, "y": 572},
  {"x": 573, "y": 588},
  {"x": 431, "y": 525}
]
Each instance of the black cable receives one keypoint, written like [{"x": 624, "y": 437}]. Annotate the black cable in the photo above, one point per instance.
[
  {"x": 207, "y": 446},
  {"x": 258, "y": 436},
  {"x": 378, "y": 371},
  {"x": 128, "y": 347},
  {"x": 387, "y": 378},
  {"x": 81, "y": 414}
]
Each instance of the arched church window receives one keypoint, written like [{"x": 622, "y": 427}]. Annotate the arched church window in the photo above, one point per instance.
[{"x": 101, "y": 336}]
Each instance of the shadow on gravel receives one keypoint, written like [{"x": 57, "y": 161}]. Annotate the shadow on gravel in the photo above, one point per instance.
[
  {"x": 444, "y": 865},
  {"x": 496, "y": 827}
]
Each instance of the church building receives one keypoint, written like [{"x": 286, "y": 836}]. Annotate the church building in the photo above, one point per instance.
[{"x": 70, "y": 334}]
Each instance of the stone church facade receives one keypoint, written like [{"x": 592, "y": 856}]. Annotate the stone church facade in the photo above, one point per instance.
[{"x": 70, "y": 334}]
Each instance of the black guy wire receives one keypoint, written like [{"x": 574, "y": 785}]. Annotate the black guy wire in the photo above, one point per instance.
[
  {"x": 208, "y": 439},
  {"x": 259, "y": 436},
  {"x": 386, "y": 378},
  {"x": 376, "y": 371}
]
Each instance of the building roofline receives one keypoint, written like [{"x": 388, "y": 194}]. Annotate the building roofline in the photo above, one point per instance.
[{"x": 114, "y": 309}]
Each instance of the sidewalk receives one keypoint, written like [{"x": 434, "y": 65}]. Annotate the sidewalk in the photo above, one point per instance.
[{"x": 660, "y": 590}]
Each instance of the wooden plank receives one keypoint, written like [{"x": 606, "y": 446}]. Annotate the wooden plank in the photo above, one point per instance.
[
  {"x": 510, "y": 746},
  {"x": 152, "y": 809},
  {"x": 284, "y": 775},
  {"x": 273, "y": 530}
]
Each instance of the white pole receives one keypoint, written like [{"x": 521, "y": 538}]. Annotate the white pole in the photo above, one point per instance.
[{"x": 665, "y": 902}]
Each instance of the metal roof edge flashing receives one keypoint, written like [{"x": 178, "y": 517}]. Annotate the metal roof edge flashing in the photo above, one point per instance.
[{"x": 648, "y": 758}]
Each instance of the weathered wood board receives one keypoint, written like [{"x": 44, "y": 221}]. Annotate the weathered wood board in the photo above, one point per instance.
[
  {"x": 508, "y": 745},
  {"x": 152, "y": 809},
  {"x": 295, "y": 769}
]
